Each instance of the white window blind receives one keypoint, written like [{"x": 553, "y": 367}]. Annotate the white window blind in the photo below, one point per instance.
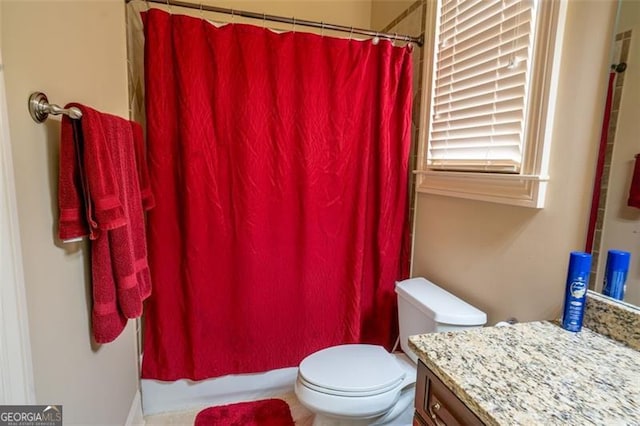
[{"x": 479, "y": 93}]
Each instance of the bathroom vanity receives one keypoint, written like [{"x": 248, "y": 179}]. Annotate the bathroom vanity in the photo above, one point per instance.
[
  {"x": 531, "y": 374},
  {"x": 436, "y": 404}
]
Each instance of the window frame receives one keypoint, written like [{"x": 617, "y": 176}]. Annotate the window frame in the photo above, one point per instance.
[{"x": 528, "y": 187}]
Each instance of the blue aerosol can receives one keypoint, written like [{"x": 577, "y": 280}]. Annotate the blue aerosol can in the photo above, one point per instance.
[
  {"x": 615, "y": 276},
  {"x": 575, "y": 298}
]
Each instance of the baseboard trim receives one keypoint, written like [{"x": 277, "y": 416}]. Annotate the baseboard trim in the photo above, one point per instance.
[{"x": 135, "y": 417}]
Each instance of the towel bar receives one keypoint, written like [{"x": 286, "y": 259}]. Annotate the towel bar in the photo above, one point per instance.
[{"x": 40, "y": 108}]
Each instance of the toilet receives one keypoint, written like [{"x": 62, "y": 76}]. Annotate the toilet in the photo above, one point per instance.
[{"x": 359, "y": 384}]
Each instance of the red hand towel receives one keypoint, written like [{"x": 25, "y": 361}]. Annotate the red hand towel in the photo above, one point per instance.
[
  {"x": 634, "y": 191},
  {"x": 88, "y": 185},
  {"x": 99, "y": 194},
  {"x": 72, "y": 221}
]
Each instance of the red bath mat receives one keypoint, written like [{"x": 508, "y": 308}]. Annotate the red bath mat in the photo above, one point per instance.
[{"x": 266, "y": 412}]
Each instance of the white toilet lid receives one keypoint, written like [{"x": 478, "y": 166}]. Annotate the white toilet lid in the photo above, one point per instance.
[{"x": 352, "y": 369}]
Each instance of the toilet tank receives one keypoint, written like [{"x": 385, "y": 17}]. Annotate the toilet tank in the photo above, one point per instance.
[{"x": 423, "y": 307}]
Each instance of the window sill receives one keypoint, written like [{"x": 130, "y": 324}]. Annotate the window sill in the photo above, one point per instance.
[{"x": 517, "y": 190}]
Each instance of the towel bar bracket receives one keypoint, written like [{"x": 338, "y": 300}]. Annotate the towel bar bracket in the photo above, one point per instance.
[{"x": 40, "y": 108}]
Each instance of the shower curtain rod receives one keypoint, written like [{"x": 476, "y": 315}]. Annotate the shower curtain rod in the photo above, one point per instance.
[{"x": 315, "y": 24}]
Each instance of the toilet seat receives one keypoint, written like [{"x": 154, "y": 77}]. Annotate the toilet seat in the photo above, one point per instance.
[
  {"x": 345, "y": 407},
  {"x": 351, "y": 381},
  {"x": 347, "y": 393},
  {"x": 351, "y": 370}
]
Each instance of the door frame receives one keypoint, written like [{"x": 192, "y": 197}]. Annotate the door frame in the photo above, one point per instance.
[{"x": 16, "y": 368}]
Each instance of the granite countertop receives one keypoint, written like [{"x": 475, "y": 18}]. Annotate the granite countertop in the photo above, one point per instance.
[{"x": 537, "y": 374}]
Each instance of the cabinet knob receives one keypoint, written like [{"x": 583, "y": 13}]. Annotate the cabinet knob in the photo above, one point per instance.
[{"x": 432, "y": 410}]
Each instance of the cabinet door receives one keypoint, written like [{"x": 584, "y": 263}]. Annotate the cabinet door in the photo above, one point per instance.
[
  {"x": 419, "y": 421},
  {"x": 437, "y": 405}
]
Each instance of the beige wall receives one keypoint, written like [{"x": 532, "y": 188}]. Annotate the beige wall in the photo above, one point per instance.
[
  {"x": 385, "y": 11},
  {"x": 73, "y": 51},
  {"x": 621, "y": 229},
  {"x": 356, "y": 13},
  {"x": 512, "y": 261}
]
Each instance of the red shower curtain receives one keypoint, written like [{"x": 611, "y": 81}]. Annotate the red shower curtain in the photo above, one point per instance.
[{"x": 279, "y": 166}]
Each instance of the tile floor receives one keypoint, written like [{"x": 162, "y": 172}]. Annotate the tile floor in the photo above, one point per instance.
[{"x": 300, "y": 415}]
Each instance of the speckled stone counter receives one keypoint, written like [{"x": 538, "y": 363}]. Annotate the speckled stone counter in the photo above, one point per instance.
[{"x": 537, "y": 374}]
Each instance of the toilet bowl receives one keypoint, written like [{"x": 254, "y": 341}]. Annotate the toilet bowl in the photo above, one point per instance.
[
  {"x": 355, "y": 384},
  {"x": 360, "y": 384}
]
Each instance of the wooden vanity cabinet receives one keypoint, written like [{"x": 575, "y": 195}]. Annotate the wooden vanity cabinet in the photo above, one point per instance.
[{"x": 436, "y": 405}]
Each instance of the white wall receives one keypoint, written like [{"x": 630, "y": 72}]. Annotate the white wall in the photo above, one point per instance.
[
  {"x": 512, "y": 261},
  {"x": 621, "y": 229},
  {"x": 73, "y": 51}
]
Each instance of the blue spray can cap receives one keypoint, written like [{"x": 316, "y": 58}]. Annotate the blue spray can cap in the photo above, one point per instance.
[
  {"x": 579, "y": 261},
  {"x": 615, "y": 275},
  {"x": 618, "y": 260}
]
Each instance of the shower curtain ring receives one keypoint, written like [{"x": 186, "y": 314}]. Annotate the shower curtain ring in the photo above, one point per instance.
[
  {"x": 294, "y": 24},
  {"x": 351, "y": 33},
  {"x": 233, "y": 16},
  {"x": 376, "y": 39},
  {"x": 169, "y": 6},
  {"x": 322, "y": 28},
  {"x": 201, "y": 12},
  {"x": 264, "y": 21}
]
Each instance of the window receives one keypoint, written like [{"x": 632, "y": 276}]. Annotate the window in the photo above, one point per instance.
[{"x": 492, "y": 89}]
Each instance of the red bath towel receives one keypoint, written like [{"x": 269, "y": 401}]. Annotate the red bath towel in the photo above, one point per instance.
[
  {"x": 148, "y": 202},
  {"x": 634, "y": 191},
  {"x": 100, "y": 195}
]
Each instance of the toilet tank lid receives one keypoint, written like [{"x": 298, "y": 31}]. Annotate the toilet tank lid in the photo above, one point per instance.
[{"x": 438, "y": 303}]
